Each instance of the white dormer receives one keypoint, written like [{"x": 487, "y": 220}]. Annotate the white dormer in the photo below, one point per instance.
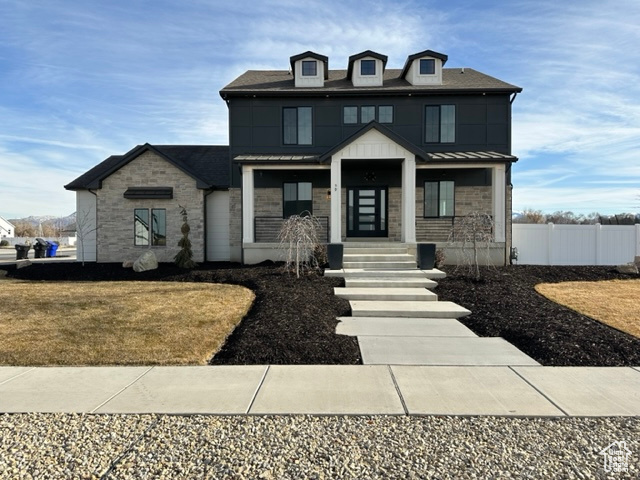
[
  {"x": 424, "y": 68},
  {"x": 366, "y": 69},
  {"x": 309, "y": 69}
]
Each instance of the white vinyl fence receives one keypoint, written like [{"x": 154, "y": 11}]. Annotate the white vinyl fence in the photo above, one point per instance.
[{"x": 576, "y": 244}]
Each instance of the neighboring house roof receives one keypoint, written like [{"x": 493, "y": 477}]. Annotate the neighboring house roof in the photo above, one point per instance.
[
  {"x": 279, "y": 82},
  {"x": 207, "y": 164}
]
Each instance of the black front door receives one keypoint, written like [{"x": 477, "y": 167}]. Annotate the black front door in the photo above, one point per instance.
[{"x": 367, "y": 212}]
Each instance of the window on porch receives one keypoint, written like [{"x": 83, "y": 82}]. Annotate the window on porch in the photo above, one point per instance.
[
  {"x": 439, "y": 199},
  {"x": 297, "y": 198}
]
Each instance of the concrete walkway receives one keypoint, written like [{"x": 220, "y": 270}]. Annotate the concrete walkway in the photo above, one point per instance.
[
  {"x": 398, "y": 320},
  {"x": 324, "y": 390}
]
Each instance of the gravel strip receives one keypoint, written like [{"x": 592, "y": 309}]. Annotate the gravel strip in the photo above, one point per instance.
[{"x": 293, "y": 447}]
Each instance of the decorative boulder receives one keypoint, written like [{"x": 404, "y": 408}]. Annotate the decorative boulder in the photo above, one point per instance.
[
  {"x": 146, "y": 261},
  {"x": 629, "y": 268}
]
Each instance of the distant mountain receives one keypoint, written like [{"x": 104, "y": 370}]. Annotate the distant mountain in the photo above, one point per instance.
[{"x": 36, "y": 220}]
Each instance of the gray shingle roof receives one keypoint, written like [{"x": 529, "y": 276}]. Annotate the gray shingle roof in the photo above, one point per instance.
[
  {"x": 208, "y": 164},
  {"x": 277, "y": 82}
]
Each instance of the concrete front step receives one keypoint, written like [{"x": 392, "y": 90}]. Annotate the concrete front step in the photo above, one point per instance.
[
  {"x": 461, "y": 351},
  {"x": 374, "y": 250},
  {"x": 385, "y": 293},
  {"x": 420, "y": 309},
  {"x": 390, "y": 282},
  {"x": 398, "y": 273},
  {"x": 402, "y": 327},
  {"x": 396, "y": 264},
  {"x": 378, "y": 257}
]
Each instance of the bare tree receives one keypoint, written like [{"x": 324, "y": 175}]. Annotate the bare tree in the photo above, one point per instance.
[
  {"x": 475, "y": 234},
  {"x": 84, "y": 229},
  {"x": 299, "y": 241},
  {"x": 530, "y": 215}
]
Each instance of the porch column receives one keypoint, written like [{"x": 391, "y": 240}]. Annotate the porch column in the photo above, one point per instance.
[
  {"x": 247, "y": 204},
  {"x": 409, "y": 200},
  {"x": 336, "y": 200},
  {"x": 499, "y": 201}
]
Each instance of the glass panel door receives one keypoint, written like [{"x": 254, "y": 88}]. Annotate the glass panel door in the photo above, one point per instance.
[{"x": 367, "y": 212}]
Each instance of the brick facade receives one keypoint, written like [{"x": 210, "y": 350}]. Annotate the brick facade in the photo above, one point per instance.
[{"x": 115, "y": 213}]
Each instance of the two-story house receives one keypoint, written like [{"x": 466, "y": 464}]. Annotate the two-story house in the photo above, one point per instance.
[{"x": 397, "y": 155}]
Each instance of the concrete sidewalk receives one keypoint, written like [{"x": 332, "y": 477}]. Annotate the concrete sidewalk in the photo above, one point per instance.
[{"x": 325, "y": 390}]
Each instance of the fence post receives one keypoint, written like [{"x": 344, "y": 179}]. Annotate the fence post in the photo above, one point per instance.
[
  {"x": 637, "y": 239},
  {"x": 550, "y": 243},
  {"x": 598, "y": 244}
]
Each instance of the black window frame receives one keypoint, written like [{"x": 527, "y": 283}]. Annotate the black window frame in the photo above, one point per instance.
[
  {"x": 438, "y": 124},
  {"x": 362, "y": 117},
  {"x": 432, "y": 66},
  {"x": 344, "y": 111},
  {"x": 285, "y": 133},
  {"x": 439, "y": 213},
  {"x": 365, "y": 71},
  {"x": 155, "y": 236},
  {"x": 297, "y": 206},
  {"x": 380, "y": 115},
  {"x": 308, "y": 63}
]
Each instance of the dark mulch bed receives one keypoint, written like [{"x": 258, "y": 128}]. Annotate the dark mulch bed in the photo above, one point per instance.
[
  {"x": 504, "y": 304},
  {"x": 293, "y": 320}
]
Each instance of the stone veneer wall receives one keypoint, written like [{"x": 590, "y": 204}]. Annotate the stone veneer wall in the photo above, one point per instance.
[
  {"x": 115, "y": 213},
  {"x": 268, "y": 203},
  {"x": 467, "y": 200}
]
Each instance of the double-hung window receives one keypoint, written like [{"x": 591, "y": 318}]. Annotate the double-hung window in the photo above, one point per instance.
[
  {"x": 440, "y": 123},
  {"x": 439, "y": 198},
  {"x": 297, "y": 198},
  {"x": 297, "y": 125},
  {"x": 150, "y": 227}
]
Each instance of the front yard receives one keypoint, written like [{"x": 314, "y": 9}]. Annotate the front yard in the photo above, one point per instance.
[
  {"x": 117, "y": 323},
  {"x": 292, "y": 321}
]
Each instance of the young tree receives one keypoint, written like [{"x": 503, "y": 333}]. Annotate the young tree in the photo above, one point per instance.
[
  {"x": 475, "y": 234},
  {"x": 299, "y": 241},
  {"x": 84, "y": 227},
  {"x": 184, "y": 258}
]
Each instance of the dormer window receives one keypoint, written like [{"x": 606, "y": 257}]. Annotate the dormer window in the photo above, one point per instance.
[
  {"x": 424, "y": 68},
  {"x": 427, "y": 66},
  {"x": 309, "y": 68},
  {"x": 367, "y": 67}
]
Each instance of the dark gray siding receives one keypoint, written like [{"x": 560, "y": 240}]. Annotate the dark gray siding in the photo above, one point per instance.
[{"x": 483, "y": 122}]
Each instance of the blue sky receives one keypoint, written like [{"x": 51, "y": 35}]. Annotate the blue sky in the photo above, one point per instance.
[{"x": 82, "y": 80}]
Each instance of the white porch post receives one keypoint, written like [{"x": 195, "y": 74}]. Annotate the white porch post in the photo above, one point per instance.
[
  {"x": 499, "y": 202},
  {"x": 247, "y": 204},
  {"x": 409, "y": 200},
  {"x": 336, "y": 200}
]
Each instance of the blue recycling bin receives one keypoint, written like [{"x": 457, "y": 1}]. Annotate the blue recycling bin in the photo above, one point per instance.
[{"x": 52, "y": 248}]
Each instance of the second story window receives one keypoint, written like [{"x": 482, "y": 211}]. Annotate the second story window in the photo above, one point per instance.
[
  {"x": 367, "y": 67},
  {"x": 385, "y": 114},
  {"x": 440, "y": 124},
  {"x": 297, "y": 125},
  {"x": 427, "y": 66},
  {"x": 309, "y": 68},
  {"x": 367, "y": 113},
  {"x": 350, "y": 115}
]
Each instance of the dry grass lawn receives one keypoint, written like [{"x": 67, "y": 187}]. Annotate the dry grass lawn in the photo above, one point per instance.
[
  {"x": 613, "y": 302},
  {"x": 117, "y": 323}
]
